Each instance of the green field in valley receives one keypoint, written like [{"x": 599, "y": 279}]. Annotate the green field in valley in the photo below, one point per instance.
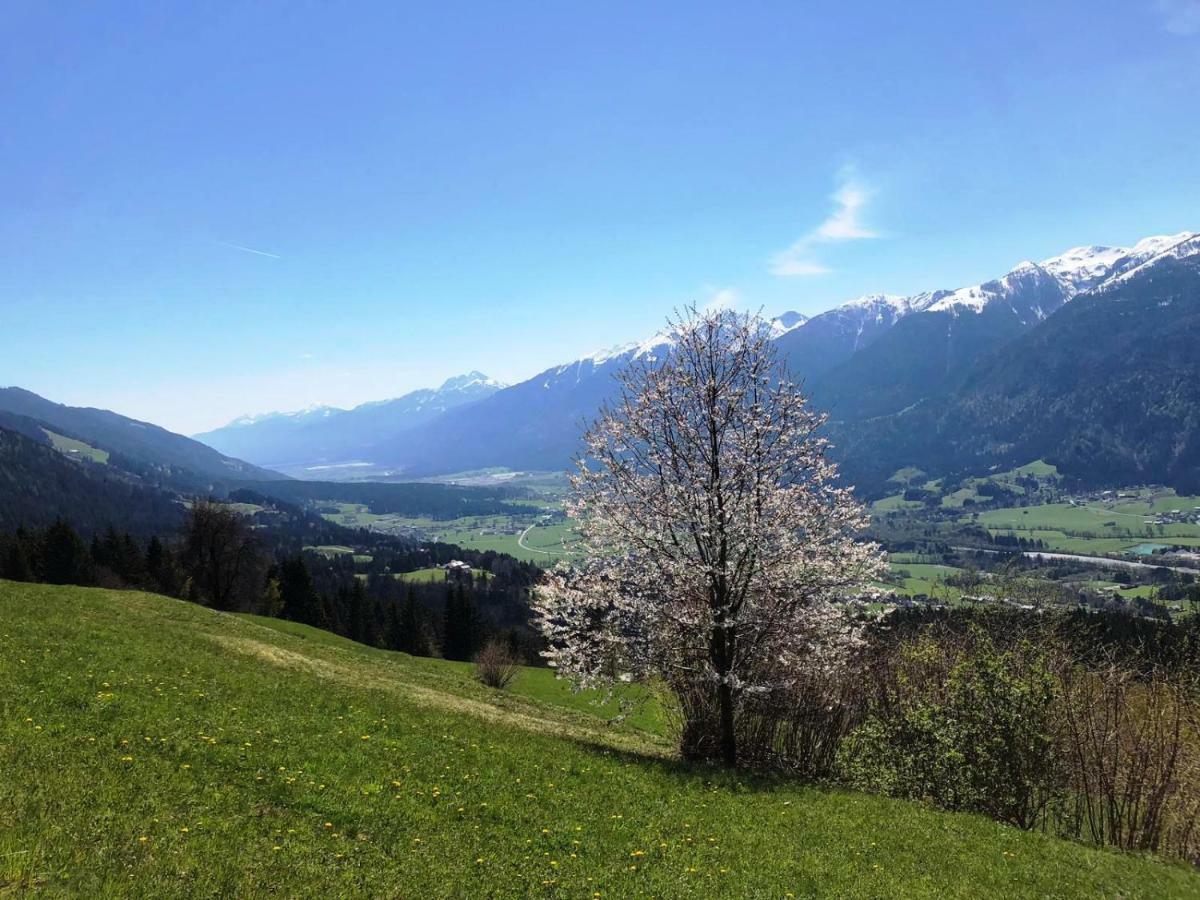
[
  {"x": 528, "y": 538},
  {"x": 434, "y": 575},
  {"x": 166, "y": 750},
  {"x": 930, "y": 580},
  {"x": 74, "y": 448},
  {"x": 340, "y": 550},
  {"x": 1101, "y": 527}
]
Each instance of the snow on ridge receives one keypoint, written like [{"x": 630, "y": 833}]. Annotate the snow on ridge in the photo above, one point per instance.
[
  {"x": 881, "y": 304},
  {"x": 1177, "y": 246},
  {"x": 1077, "y": 269},
  {"x": 600, "y": 357},
  {"x": 1162, "y": 243},
  {"x": 895, "y": 301},
  {"x": 974, "y": 298},
  {"x": 471, "y": 379},
  {"x": 648, "y": 346},
  {"x": 1084, "y": 263},
  {"x": 1083, "y": 268},
  {"x": 313, "y": 410}
]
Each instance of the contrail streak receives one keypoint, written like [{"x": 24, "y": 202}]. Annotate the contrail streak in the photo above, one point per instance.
[{"x": 249, "y": 250}]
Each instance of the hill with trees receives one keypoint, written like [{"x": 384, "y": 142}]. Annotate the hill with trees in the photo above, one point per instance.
[{"x": 156, "y": 452}]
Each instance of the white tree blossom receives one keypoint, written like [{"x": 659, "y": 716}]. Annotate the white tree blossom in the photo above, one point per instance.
[{"x": 718, "y": 546}]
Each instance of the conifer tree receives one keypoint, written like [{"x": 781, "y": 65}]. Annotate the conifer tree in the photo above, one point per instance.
[
  {"x": 462, "y": 631},
  {"x": 394, "y": 637},
  {"x": 301, "y": 602},
  {"x": 414, "y": 640},
  {"x": 16, "y": 563},
  {"x": 359, "y": 625},
  {"x": 65, "y": 560}
]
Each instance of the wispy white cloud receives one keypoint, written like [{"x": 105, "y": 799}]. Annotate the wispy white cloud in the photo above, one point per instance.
[
  {"x": 844, "y": 223},
  {"x": 721, "y": 298},
  {"x": 1180, "y": 16},
  {"x": 249, "y": 250}
]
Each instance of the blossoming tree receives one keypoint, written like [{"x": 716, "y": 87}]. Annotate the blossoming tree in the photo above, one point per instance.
[{"x": 717, "y": 543}]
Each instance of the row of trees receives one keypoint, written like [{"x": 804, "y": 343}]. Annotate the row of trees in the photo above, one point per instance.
[{"x": 219, "y": 561}]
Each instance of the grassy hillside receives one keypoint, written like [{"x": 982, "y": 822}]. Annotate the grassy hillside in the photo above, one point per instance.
[{"x": 161, "y": 749}]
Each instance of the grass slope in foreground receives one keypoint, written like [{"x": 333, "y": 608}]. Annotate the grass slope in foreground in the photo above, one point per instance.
[{"x": 154, "y": 748}]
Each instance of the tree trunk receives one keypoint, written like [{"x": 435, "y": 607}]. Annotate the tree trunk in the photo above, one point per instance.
[
  {"x": 721, "y": 653},
  {"x": 728, "y": 737}
]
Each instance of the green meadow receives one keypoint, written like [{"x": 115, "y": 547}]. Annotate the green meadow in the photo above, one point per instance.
[
  {"x": 1097, "y": 527},
  {"x": 918, "y": 578},
  {"x": 523, "y": 537},
  {"x": 79, "y": 449},
  {"x": 154, "y": 748}
]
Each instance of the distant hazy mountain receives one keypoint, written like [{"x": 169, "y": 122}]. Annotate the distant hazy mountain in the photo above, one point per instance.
[
  {"x": 139, "y": 445},
  {"x": 325, "y": 435},
  {"x": 532, "y": 425}
]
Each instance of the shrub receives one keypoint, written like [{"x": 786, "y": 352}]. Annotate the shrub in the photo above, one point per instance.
[
  {"x": 496, "y": 665},
  {"x": 798, "y": 729},
  {"x": 980, "y": 738},
  {"x": 1132, "y": 743},
  {"x": 795, "y": 726},
  {"x": 1069, "y": 725}
]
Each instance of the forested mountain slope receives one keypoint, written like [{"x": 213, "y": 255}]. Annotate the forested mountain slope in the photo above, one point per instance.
[
  {"x": 1107, "y": 389},
  {"x": 141, "y": 443},
  {"x": 38, "y": 484}
]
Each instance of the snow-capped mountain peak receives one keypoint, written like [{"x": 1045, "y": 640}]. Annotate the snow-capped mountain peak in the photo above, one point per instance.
[
  {"x": 785, "y": 322},
  {"x": 632, "y": 350},
  {"x": 1176, "y": 246},
  {"x": 1020, "y": 279},
  {"x": 312, "y": 411},
  {"x": 600, "y": 357},
  {"x": 1083, "y": 268},
  {"x": 1154, "y": 246},
  {"x": 472, "y": 379}
]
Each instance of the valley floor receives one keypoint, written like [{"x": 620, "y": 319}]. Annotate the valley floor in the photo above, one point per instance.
[{"x": 154, "y": 748}]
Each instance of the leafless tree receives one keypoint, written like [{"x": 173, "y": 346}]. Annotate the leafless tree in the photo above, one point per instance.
[{"x": 221, "y": 554}]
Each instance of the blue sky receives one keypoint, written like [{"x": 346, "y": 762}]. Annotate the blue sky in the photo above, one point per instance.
[{"x": 433, "y": 188}]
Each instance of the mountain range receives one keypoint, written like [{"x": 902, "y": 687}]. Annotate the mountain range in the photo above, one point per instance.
[
  {"x": 1088, "y": 360},
  {"x": 926, "y": 380},
  {"x": 324, "y": 439}
]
